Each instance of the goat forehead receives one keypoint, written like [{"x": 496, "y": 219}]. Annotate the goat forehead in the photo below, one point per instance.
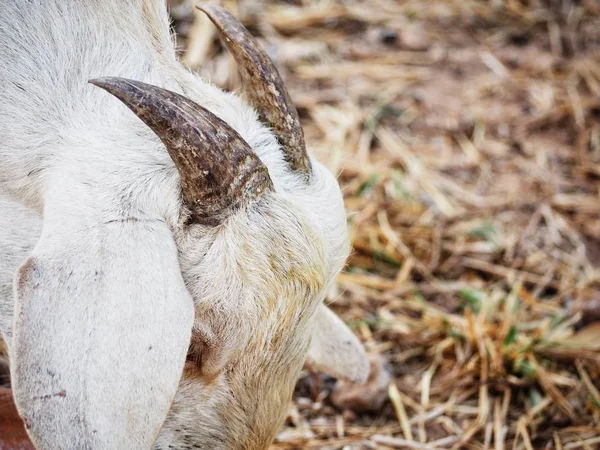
[{"x": 252, "y": 266}]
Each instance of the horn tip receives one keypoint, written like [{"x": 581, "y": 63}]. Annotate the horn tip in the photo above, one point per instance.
[
  {"x": 109, "y": 84},
  {"x": 121, "y": 88},
  {"x": 203, "y": 5},
  {"x": 105, "y": 82},
  {"x": 99, "y": 81},
  {"x": 210, "y": 8}
]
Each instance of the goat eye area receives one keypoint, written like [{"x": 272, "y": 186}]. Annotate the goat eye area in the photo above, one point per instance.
[{"x": 205, "y": 353}]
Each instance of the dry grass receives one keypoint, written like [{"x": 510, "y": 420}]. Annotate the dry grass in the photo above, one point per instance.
[{"x": 466, "y": 135}]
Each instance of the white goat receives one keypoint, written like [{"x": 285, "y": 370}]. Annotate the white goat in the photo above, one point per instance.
[{"x": 159, "y": 283}]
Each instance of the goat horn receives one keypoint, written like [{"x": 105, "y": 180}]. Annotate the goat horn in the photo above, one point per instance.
[
  {"x": 264, "y": 86},
  {"x": 219, "y": 171}
]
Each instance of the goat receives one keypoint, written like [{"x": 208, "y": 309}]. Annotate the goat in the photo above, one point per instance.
[{"x": 161, "y": 280}]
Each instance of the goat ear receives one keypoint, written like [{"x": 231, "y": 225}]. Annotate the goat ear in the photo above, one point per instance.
[
  {"x": 102, "y": 326},
  {"x": 335, "y": 350}
]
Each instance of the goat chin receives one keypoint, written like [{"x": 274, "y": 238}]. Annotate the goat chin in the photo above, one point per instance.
[{"x": 128, "y": 325}]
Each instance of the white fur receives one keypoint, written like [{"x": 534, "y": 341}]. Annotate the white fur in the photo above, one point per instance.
[{"x": 90, "y": 207}]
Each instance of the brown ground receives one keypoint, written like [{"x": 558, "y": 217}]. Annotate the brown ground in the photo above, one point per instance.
[{"x": 467, "y": 139}]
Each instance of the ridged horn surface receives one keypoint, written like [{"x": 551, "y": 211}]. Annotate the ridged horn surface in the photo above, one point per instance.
[
  {"x": 263, "y": 85},
  {"x": 219, "y": 171}
]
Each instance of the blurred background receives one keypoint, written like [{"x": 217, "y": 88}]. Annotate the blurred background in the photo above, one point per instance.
[{"x": 466, "y": 137}]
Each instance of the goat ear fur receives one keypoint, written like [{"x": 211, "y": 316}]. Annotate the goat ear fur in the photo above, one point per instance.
[
  {"x": 102, "y": 326},
  {"x": 335, "y": 350}
]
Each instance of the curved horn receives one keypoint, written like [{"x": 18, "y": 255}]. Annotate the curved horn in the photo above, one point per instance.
[
  {"x": 264, "y": 86},
  {"x": 219, "y": 171}
]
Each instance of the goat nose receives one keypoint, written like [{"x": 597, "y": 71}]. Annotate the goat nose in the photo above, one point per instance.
[{"x": 12, "y": 430}]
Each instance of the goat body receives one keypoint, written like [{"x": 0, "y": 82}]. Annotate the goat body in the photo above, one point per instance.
[{"x": 127, "y": 325}]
